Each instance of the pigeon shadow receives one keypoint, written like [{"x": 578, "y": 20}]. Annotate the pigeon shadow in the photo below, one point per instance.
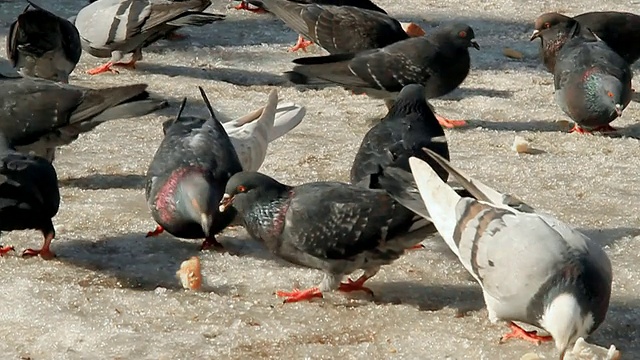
[
  {"x": 621, "y": 327},
  {"x": 238, "y": 77},
  {"x": 105, "y": 181},
  {"x": 429, "y": 297},
  {"x": 517, "y": 126},
  {"x": 608, "y": 237},
  {"x": 465, "y": 92}
]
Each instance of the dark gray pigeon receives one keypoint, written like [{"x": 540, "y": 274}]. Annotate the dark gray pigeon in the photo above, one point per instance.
[
  {"x": 39, "y": 115},
  {"x": 29, "y": 196},
  {"x": 187, "y": 176},
  {"x": 339, "y": 29},
  {"x": 620, "y": 30},
  {"x": 44, "y": 45},
  {"x": 592, "y": 82},
  {"x": 103, "y": 34},
  {"x": 334, "y": 227},
  {"x": 440, "y": 61}
]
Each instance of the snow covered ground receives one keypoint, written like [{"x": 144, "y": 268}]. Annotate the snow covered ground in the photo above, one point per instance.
[{"x": 112, "y": 294}]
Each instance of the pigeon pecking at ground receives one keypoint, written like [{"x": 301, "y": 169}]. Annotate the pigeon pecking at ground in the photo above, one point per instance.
[
  {"x": 339, "y": 29},
  {"x": 187, "y": 176},
  {"x": 29, "y": 196},
  {"x": 440, "y": 61},
  {"x": 334, "y": 227},
  {"x": 563, "y": 285},
  {"x": 103, "y": 34},
  {"x": 44, "y": 45},
  {"x": 620, "y": 30},
  {"x": 56, "y": 114},
  {"x": 592, "y": 82}
]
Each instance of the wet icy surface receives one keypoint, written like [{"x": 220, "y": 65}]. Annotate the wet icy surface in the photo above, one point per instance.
[{"x": 112, "y": 294}]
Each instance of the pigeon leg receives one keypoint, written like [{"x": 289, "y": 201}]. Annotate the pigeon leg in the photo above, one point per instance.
[
  {"x": 211, "y": 243},
  {"x": 357, "y": 285},
  {"x": 44, "y": 252},
  {"x": 131, "y": 64},
  {"x": 301, "y": 44},
  {"x": 102, "y": 69},
  {"x": 519, "y": 333},
  {"x": 5, "y": 249},
  {"x": 449, "y": 124},
  {"x": 157, "y": 231},
  {"x": 296, "y": 295},
  {"x": 244, "y": 6},
  {"x": 603, "y": 128}
]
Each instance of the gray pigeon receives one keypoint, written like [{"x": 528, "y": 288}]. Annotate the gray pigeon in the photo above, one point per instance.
[
  {"x": 103, "y": 34},
  {"x": 592, "y": 82},
  {"x": 532, "y": 267},
  {"x": 44, "y": 45},
  {"x": 187, "y": 176},
  {"x": 39, "y": 115},
  {"x": 29, "y": 196},
  {"x": 439, "y": 61}
]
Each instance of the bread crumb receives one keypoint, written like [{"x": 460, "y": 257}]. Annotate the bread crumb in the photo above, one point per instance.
[
  {"x": 520, "y": 145},
  {"x": 512, "y": 54},
  {"x": 189, "y": 274}
]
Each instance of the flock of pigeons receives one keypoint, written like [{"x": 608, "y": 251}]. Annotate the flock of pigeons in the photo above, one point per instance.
[{"x": 203, "y": 177}]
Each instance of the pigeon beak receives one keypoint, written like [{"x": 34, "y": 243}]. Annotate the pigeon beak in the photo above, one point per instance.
[
  {"x": 205, "y": 222},
  {"x": 535, "y": 35},
  {"x": 562, "y": 353},
  {"x": 227, "y": 200},
  {"x": 475, "y": 44},
  {"x": 619, "y": 109}
]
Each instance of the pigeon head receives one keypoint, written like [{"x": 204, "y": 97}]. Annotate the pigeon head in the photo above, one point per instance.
[
  {"x": 460, "y": 34},
  {"x": 247, "y": 188},
  {"x": 552, "y": 25},
  {"x": 604, "y": 94},
  {"x": 566, "y": 322},
  {"x": 195, "y": 199}
]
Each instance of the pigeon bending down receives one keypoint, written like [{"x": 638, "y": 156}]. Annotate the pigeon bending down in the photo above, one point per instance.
[
  {"x": 620, "y": 30},
  {"x": 339, "y": 29},
  {"x": 113, "y": 28},
  {"x": 40, "y": 115},
  {"x": 334, "y": 227},
  {"x": 562, "y": 284},
  {"x": 29, "y": 196},
  {"x": 187, "y": 176},
  {"x": 592, "y": 82},
  {"x": 41, "y": 44},
  {"x": 440, "y": 61}
]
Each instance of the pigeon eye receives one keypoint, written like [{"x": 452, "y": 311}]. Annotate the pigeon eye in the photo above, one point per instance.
[
  {"x": 462, "y": 34},
  {"x": 241, "y": 188},
  {"x": 610, "y": 94},
  {"x": 547, "y": 25}
]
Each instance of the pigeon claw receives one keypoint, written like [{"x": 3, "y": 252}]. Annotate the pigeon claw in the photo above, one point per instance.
[
  {"x": 450, "y": 124},
  {"x": 102, "y": 69},
  {"x": 296, "y": 295},
  {"x": 244, "y": 6},
  {"x": 416, "y": 247},
  {"x": 131, "y": 65},
  {"x": 44, "y": 252},
  {"x": 210, "y": 243},
  {"x": 301, "y": 44},
  {"x": 357, "y": 285},
  {"x": 519, "y": 333},
  {"x": 604, "y": 128},
  {"x": 6, "y": 249}
]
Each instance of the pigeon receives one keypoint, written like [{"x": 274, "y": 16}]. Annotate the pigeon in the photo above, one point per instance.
[
  {"x": 103, "y": 34},
  {"x": 592, "y": 82},
  {"x": 362, "y": 4},
  {"x": 187, "y": 176},
  {"x": 440, "y": 61},
  {"x": 563, "y": 285},
  {"x": 40, "y": 115},
  {"x": 620, "y": 30},
  {"x": 29, "y": 196},
  {"x": 42, "y": 44},
  {"x": 339, "y": 29},
  {"x": 335, "y": 227}
]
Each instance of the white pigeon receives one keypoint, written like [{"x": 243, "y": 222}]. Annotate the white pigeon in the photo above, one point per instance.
[
  {"x": 532, "y": 267},
  {"x": 252, "y": 133},
  {"x": 113, "y": 28}
]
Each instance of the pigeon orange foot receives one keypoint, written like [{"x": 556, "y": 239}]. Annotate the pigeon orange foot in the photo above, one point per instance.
[
  {"x": 302, "y": 44},
  {"x": 603, "y": 128},
  {"x": 129, "y": 65},
  {"x": 296, "y": 295},
  {"x": 6, "y": 249},
  {"x": 102, "y": 69},
  {"x": 211, "y": 243},
  {"x": 357, "y": 285},
  {"x": 416, "y": 247},
  {"x": 44, "y": 252},
  {"x": 449, "y": 124},
  {"x": 519, "y": 333},
  {"x": 157, "y": 231},
  {"x": 244, "y": 6}
]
